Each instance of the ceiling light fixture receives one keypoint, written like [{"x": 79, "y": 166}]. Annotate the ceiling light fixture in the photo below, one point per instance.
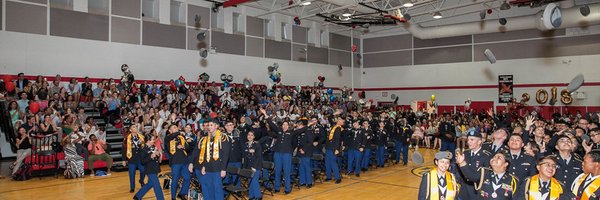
[
  {"x": 437, "y": 15},
  {"x": 347, "y": 14},
  {"x": 305, "y": 3},
  {"x": 408, "y": 4}
]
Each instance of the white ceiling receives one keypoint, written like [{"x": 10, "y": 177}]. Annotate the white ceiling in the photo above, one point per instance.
[{"x": 453, "y": 11}]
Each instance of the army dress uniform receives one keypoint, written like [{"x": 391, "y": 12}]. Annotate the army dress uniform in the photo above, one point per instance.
[
  {"x": 585, "y": 187},
  {"x": 521, "y": 165},
  {"x": 490, "y": 184},
  {"x": 475, "y": 159},
  {"x": 568, "y": 170}
]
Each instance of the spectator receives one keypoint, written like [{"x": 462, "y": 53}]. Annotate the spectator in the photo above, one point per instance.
[
  {"x": 24, "y": 148},
  {"x": 97, "y": 149}
]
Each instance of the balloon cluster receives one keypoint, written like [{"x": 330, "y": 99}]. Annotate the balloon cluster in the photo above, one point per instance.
[
  {"x": 248, "y": 82},
  {"x": 321, "y": 80},
  {"x": 274, "y": 74},
  {"x": 204, "y": 77},
  {"x": 8, "y": 84},
  {"x": 127, "y": 79},
  {"x": 179, "y": 82},
  {"x": 226, "y": 79},
  {"x": 467, "y": 103}
]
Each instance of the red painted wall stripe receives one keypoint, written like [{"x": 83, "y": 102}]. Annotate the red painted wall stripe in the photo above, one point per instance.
[{"x": 456, "y": 87}]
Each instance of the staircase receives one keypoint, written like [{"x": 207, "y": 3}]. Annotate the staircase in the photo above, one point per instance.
[{"x": 114, "y": 138}]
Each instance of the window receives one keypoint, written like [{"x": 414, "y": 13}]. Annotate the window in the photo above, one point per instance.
[
  {"x": 238, "y": 23},
  {"x": 98, "y": 7},
  {"x": 324, "y": 38},
  {"x": 286, "y": 31},
  {"x": 62, "y": 4},
  {"x": 217, "y": 20},
  {"x": 268, "y": 28},
  {"x": 150, "y": 9},
  {"x": 177, "y": 12}
]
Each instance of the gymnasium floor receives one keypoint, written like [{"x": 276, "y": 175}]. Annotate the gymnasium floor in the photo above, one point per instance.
[{"x": 395, "y": 182}]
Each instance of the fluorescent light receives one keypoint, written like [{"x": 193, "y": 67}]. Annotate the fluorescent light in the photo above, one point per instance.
[
  {"x": 437, "y": 15},
  {"x": 408, "y": 4},
  {"x": 305, "y": 3},
  {"x": 347, "y": 14}
]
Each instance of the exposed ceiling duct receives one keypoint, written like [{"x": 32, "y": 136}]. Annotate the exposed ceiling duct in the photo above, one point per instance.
[{"x": 571, "y": 18}]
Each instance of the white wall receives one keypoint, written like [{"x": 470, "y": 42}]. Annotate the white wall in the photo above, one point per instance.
[
  {"x": 50, "y": 55},
  {"x": 525, "y": 71}
]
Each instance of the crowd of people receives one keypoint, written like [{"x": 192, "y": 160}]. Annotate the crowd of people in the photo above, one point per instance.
[{"x": 203, "y": 129}]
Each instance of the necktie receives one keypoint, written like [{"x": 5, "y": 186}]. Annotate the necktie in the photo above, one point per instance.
[
  {"x": 514, "y": 157},
  {"x": 442, "y": 181},
  {"x": 544, "y": 188},
  {"x": 472, "y": 154},
  {"x": 494, "y": 148}
]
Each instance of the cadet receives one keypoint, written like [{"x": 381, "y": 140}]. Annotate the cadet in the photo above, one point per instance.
[
  {"x": 521, "y": 165},
  {"x": 568, "y": 164},
  {"x": 355, "y": 147},
  {"x": 177, "y": 147},
  {"x": 475, "y": 157},
  {"x": 439, "y": 183},
  {"x": 134, "y": 142},
  {"x": 369, "y": 140},
  {"x": 150, "y": 157},
  {"x": 586, "y": 185},
  {"x": 542, "y": 186},
  {"x": 497, "y": 144},
  {"x": 381, "y": 139},
  {"x": 209, "y": 161},
  {"x": 492, "y": 182},
  {"x": 332, "y": 146}
]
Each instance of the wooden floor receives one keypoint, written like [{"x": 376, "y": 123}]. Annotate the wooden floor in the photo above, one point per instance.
[{"x": 394, "y": 182}]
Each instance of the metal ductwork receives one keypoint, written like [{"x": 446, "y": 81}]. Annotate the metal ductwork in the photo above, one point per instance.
[{"x": 571, "y": 18}]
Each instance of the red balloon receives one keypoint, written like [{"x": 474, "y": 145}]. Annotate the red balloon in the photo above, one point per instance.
[
  {"x": 6, "y": 78},
  {"x": 354, "y": 48},
  {"x": 10, "y": 86},
  {"x": 371, "y": 100},
  {"x": 34, "y": 107}
]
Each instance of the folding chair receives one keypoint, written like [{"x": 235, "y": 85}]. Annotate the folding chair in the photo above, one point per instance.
[
  {"x": 244, "y": 176},
  {"x": 268, "y": 180},
  {"x": 391, "y": 151},
  {"x": 294, "y": 175},
  {"x": 318, "y": 169}
]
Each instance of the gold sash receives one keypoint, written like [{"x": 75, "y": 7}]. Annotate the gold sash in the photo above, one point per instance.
[
  {"x": 205, "y": 148},
  {"x": 130, "y": 145},
  {"x": 534, "y": 188},
  {"x": 434, "y": 192},
  {"x": 589, "y": 191},
  {"x": 332, "y": 131},
  {"x": 173, "y": 145}
]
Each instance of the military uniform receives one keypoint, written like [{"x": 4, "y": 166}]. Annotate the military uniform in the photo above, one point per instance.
[
  {"x": 521, "y": 165},
  {"x": 356, "y": 142},
  {"x": 475, "y": 160},
  {"x": 439, "y": 185},
  {"x": 567, "y": 171},
  {"x": 586, "y": 187},
  {"x": 491, "y": 185},
  {"x": 533, "y": 188},
  {"x": 492, "y": 148}
]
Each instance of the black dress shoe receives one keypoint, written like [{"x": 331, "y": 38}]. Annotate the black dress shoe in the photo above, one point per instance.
[
  {"x": 338, "y": 181},
  {"x": 287, "y": 192},
  {"x": 309, "y": 186},
  {"x": 276, "y": 191},
  {"x": 135, "y": 198},
  {"x": 131, "y": 191},
  {"x": 183, "y": 197},
  {"x": 327, "y": 180},
  {"x": 142, "y": 183},
  {"x": 358, "y": 175}
]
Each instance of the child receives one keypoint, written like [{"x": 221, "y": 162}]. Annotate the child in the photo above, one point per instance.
[{"x": 150, "y": 158}]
